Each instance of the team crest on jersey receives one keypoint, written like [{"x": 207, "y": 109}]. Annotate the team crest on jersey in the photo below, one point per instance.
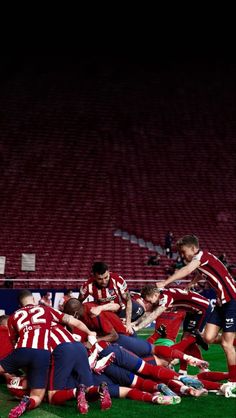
[{"x": 111, "y": 292}]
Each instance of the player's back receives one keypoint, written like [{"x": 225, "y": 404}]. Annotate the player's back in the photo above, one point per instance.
[
  {"x": 29, "y": 326},
  {"x": 183, "y": 298},
  {"x": 218, "y": 276}
]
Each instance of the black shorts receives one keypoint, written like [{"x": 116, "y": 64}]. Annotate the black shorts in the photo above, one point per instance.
[{"x": 224, "y": 316}]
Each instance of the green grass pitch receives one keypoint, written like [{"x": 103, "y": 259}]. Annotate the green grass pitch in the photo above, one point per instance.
[{"x": 211, "y": 406}]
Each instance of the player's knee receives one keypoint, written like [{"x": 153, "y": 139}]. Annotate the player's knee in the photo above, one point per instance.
[
  {"x": 226, "y": 345},
  {"x": 208, "y": 338}
]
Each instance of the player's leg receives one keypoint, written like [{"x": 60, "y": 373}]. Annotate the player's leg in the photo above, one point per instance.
[
  {"x": 228, "y": 335},
  {"x": 81, "y": 365},
  {"x": 228, "y": 347},
  {"x": 213, "y": 325},
  {"x": 132, "y": 362},
  {"x": 138, "y": 346},
  {"x": 171, "y": 353},
  {"x": 119, "y": 391},
  {"x": 37, "y": 373}
]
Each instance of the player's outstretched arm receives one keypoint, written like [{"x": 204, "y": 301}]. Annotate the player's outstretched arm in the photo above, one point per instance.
[
  {"x": 111, "y": 306},
  {"x": 180, "y": 274},
  {"x": 74, "y": 322},
  {"x": 149, "y": 318},
  {"x": 128, "y": 312},
  {"x": 193, "y": 282}
]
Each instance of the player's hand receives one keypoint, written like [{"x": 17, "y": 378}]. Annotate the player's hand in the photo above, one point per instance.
[
  {"x": 95, "y": 310},
  {"x": 129, "y": 329},
  {"x": 160, "y": 284}
]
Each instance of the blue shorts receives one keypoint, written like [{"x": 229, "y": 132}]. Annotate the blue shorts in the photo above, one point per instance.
[
  {"x": 114, "y": 388},
  {"x": 124, "y": 358},
  {"x": 224, "y": 316},
  {"x": 120, "y": 376},
  {"x": 136, "y": 345},
  {"x": 36, "y": 361},
  {"x": 137, "y": 311},
  {"x": 69, "y": 367}
]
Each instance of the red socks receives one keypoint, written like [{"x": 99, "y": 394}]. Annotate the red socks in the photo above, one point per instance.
[
  {"x": 185, "y": 343},
  {"x": 158, "y": 373},
  {"x": 138, "y": 395},
  {"x": 61, "y": 396},
  {"x": 213, "y": 376},
  {"x": 210, "y": 385},
  {"x": 232, "y": 373},
  {"x": 31, "y": 405},
  {"x": 168, "y": 353},
  {"x": 145, "y": 385}
]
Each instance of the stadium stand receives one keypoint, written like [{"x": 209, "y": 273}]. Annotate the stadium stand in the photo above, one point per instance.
[{"x": 99, "y": 164}]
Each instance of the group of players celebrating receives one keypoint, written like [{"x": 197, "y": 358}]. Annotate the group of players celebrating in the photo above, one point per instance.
[{"x": 91, "y": 350}]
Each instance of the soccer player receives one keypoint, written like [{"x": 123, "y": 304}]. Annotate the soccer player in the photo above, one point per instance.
[
  {"x": 70, "y": 369},
  {"x": 29, "y": 329},
  {"x": 224, "y": 315},
  {"x": 166, "y": 330},
  {"x": 105, "y": 323},
  {"x": 110, "y": 291},
  {"x": 163, "y": 299}
]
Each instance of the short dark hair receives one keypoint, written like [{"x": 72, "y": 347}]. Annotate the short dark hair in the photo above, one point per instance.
[
  {"x": 23, "y": 294},
  {"x": 99, "y": 267},
  {"x": 187, "y": 240},
  {"x": 149, "y": 290},
  {"x": 68, "y": 291},
  {"x": 73, "y": 306}
]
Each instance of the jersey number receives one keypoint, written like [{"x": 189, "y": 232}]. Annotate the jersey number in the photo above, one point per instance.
[{"x": 36, "y": 318}]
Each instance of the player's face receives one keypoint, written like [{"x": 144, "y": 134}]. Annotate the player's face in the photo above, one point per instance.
[
  {"x": 188, "y": 252},
  {"x": 102, "y": 279},
  {"x": 153, "y": 299}
]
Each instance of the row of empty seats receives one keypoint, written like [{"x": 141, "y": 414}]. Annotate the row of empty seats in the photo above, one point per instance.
[{"x": 105, "y": 156}]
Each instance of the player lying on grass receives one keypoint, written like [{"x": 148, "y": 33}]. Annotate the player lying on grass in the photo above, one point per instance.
[
  {"x": 110, "y": 328},
  {"x": 137, "y": 346}
]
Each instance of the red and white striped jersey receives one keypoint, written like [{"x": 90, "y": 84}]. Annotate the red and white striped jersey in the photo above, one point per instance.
[
  {"x": 29, "y": 326},
  {"x": 217, "y": 276},
  {"x": 59, "y": 335},
  {"x": 189, "y": 301},
  {"x": 114, "y": 292}
]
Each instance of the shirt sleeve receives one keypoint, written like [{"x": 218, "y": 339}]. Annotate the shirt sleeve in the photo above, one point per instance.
[
  {"x": 165, "y": 301},
  {"x": 198, "y": 256},
  {"x": 57, "y": 316},
  {"x": 122, "y": 285},
  {"x": 12, "y": 330}
]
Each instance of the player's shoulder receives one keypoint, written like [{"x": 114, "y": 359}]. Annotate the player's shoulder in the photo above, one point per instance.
[
  {"x": 88, "y": 281},
  {"x": 117, "y": 277},
  {"x": 205, "y": 256},
  {"x": 87, "y": 286},
  {"x": 200, "y": 255}
]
